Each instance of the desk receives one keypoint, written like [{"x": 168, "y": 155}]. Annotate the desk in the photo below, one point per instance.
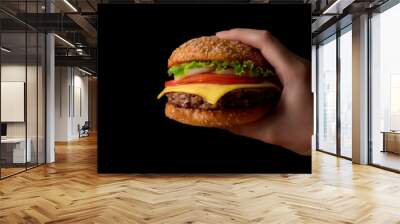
[
  {"x": 13, "y": 150},
  {"x": 391, "y": 141}
]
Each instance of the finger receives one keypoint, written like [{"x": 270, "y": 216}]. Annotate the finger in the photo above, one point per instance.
[{"x": 275, "y": 53}]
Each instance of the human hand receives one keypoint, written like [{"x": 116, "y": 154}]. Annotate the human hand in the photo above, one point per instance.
[{"x": 290, "y": 125}]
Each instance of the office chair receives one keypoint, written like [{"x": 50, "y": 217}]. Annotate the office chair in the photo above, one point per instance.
[{"x": 84, "y": 130}]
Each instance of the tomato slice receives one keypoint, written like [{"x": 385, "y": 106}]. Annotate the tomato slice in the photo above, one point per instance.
[{"x": 214, "y": 79}]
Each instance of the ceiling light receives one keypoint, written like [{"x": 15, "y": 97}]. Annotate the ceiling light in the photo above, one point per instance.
[
  {"x": 65, "y": 41},
  {"x": 70, "y": 5},
  {"x": 84, "y": 71},
  {"x": 5, "y": 50}
]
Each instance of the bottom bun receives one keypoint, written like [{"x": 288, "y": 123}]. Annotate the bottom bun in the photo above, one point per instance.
[{"x": 217, "y": 118}]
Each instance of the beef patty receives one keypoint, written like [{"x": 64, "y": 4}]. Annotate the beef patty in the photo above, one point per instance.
[{"x": 239, "y": 98}]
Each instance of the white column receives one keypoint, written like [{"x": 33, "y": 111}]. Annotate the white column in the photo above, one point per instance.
[
  {"x": 50, "y": 99},
  {"x": 360, "y": 90},
  {"x": 50, "y": 92}
]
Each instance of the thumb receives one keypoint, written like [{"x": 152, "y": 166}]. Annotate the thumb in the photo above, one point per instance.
[{"x": 283, "y": 60}]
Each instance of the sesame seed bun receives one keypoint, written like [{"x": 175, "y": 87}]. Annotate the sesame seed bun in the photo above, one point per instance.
[
  {"x": 212, "y": 48},
  {"x": 218, "y": 118}
]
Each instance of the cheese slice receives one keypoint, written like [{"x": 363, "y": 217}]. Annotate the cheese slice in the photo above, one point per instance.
[{"x": 212, "y": 92}]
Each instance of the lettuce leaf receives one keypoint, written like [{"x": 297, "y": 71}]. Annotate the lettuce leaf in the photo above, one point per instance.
[{"x": 179, "y": 71}]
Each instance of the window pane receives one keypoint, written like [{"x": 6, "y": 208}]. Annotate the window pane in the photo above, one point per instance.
[
  {"x": 385, "y": 84},
  {"x": 345, "y": 94},
  {"x": 327, "y": 96}
]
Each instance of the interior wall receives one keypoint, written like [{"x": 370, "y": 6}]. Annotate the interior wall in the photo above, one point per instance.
[
  {"x": 62, "y": 81},
  {"x": 80, "y": 83},
  {"x": 92, "y": 88},
  {"x": 71, "y": 102}
]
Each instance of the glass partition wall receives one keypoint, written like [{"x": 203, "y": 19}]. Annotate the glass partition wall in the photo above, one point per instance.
[
  {"x": 22, "y": 78},
  {"x": 385, "y": 89},
  {"x": 13, "y": 84},
  {"x": 334, "y": 93}
]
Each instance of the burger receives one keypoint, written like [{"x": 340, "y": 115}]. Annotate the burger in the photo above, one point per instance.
[{"x": 219, "y": 83}]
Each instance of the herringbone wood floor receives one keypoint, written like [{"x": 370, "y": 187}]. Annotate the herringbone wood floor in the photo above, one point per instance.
[{"x": 70, "y": 191}]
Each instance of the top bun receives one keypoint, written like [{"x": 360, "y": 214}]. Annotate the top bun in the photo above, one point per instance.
[{"x": 212, "y": 48}]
